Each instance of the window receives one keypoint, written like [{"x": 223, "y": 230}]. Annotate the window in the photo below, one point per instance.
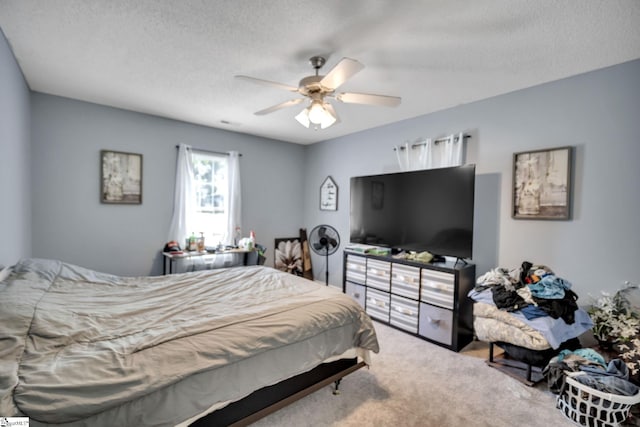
[
  {"x": 210, "y": 173},
  {"x": 207, "y": 196}
]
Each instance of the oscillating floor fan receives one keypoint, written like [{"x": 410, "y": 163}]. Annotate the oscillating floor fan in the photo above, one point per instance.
[{"x": 324, "y": 240}]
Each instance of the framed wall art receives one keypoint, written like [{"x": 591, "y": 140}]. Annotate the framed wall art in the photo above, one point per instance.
[
  {"x": 542, "y": 184},
  {"x": 120, "y": 177},
  {"x": 288, "y": 255},
  {"x": 329, "y": 195}
]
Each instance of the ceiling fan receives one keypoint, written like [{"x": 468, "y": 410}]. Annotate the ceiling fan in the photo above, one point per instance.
[{"x": 320, "y": 113}]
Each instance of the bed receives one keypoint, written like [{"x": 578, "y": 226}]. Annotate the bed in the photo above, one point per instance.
[{"x": 85, "y": 348}]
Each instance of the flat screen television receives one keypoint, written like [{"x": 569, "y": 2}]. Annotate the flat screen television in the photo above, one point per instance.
[{"x": 426, "y": 210}]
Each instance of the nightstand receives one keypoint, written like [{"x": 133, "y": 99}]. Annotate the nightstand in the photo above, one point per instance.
[{"x": 170, "y": 258}]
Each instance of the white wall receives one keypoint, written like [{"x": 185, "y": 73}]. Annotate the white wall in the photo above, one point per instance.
[
  {"x": 70, "y": 223},
  {"x": 15, "y": 166},
  {"x": 598, "y": 113}
]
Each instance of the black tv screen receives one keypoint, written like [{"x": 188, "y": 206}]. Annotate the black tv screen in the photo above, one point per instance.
[{"x": 427, "y": 210}]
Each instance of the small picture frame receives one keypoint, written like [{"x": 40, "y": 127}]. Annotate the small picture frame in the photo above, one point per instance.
[
  {"x": 120, "y": 177},
  {"x": 328, "y": 195},
  {"x": 542, "y": 184}
]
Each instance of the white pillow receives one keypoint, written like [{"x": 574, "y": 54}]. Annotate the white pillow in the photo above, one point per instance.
[{"x": 4, "y": 273}]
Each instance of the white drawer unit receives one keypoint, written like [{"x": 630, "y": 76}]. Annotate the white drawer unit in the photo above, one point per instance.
[
  {"x": 436, "y": 323},
  {"x": 427, "y": 300},
  {"x": 357, "y": 292},
  {"x": 356, "y": 268},
  {"x": 378, "y": 274},
  {"x": 404, "y": 313},
  {"x": 438, "y": 288},
  {"x": 377, "y": 305},
  {"x": 405, "y": 281}
]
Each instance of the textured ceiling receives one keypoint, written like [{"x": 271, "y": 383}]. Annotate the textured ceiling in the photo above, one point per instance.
[{"x": 177, "y": 59}]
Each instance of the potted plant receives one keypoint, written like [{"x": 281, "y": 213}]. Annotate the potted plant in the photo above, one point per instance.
[{"x": 614, "y": 319}]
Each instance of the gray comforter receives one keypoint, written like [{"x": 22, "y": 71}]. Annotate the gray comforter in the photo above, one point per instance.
[{"x": 75, "y": 342}]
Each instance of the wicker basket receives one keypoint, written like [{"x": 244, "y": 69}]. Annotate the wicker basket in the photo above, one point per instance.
[{"x": 586, "y": 406}]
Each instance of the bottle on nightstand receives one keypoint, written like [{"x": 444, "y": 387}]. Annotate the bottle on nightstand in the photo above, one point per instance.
[{"x": 201, "y": 247}]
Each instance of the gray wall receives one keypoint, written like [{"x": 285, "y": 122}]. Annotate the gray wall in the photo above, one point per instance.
[
  {"x": 49, "y": 170},
  {"x": 15, "y": 166},
  {"x": 70, "y": 223},
  {"x": 598, "y": 113}
]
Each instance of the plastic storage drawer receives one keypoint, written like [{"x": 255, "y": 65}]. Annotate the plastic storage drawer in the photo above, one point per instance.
[
  {"x": 377, "y": 305},
  {"x": 438, "y": 288},
  {"x": 405, "y": 281},
  {"x": 436, "y": 323},
  {"x": 356, "y": 269},
  {"x": 357, "y": 292},
  {"x": 404, "y": 313}
]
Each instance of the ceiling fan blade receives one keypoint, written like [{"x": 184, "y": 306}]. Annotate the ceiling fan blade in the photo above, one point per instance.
[
  {"x": 268, "y": 83},
  {"x": 339, "y": 74},
  {"x": 279, "y": 106},
  {"x": 368, "y": 98}
]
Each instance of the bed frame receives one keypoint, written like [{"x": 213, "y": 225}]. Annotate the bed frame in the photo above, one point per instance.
[
  {"x": 523, "y": 371},
  {"x": 269, "y": 399}
]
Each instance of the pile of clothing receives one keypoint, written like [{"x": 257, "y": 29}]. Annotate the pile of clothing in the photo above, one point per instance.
[
  {"x": 529, "y": 310},
  {"x": 533, "y": 289},
  {"x": 590, "y": 391},
  {"x": 595, "y": 372}
]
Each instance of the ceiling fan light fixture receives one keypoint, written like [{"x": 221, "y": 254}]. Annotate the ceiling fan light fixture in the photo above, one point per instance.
[
  {"x": 316, "y": 114},
  {"x": 328, "y": 120},
  {"x": 303, "y": 118}
]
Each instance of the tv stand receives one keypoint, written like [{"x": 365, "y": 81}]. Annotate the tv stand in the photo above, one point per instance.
[{"x": 427, "y": 300}]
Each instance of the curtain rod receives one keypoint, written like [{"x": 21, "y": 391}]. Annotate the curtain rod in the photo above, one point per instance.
[
  {"x": 418, "y": 144},
  {"x": 209, "y": 151}
]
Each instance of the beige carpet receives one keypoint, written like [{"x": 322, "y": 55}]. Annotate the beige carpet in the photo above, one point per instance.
[{"x": 415, "y": 383}]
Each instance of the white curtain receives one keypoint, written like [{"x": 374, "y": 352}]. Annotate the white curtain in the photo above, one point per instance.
[
  {"x": 453, "y": 150},
  {"x": 414, "y": 156},
  {"x": 183, "y": 197},
  {"x": 428, "y": 154},
  {"x": 234, "y": 202},
  {"x": 402, "y": 155}
]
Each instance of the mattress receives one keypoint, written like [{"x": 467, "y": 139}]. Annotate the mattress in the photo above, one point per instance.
[{"x": 82, "y": 347}]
